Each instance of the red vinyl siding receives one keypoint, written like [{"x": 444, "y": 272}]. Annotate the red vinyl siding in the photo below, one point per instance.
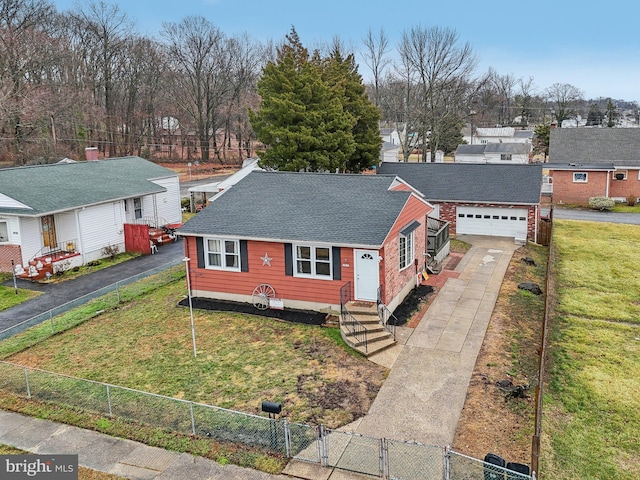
[
  {"x": 395, "y": 279},
  {"x": 286, "y": 287}
]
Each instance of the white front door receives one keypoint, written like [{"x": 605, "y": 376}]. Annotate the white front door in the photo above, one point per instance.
[{"x": 366, "y": 273}]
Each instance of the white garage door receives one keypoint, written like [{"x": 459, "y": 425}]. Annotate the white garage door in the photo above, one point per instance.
[{"x": 498, "y": 222}]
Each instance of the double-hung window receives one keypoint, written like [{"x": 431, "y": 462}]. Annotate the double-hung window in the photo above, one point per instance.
[
  {"x": 222, "y": 254},
  {"x": 406, "y": 250},
  {"x": 137, "y": 208},
  {"x": 312, "y": 261}
]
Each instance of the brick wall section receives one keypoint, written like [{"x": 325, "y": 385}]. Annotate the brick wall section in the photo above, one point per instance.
[
  {"x": 8, "y": 253},
  {"x": 448, "y": 212},
  {"x": 565, "y": 190},
  {"x": 624, "y": 188}
]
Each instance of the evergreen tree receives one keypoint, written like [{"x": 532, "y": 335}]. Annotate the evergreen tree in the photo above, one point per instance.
[
  {"x": 342, "y": 75},
  {"x": 612, "y": 114},
  {"x": 595, "y": 116},
  {"x": 314, "y": 114}
]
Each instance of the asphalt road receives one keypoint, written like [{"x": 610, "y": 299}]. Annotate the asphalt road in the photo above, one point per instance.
[{"x": 594, "y": 216}]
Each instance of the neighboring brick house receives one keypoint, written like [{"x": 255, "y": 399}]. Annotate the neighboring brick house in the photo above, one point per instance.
[
  {"x": 594, "y": 162},
  {"x": 307, "y": 236},
  {"x": 496, "y": 200}
]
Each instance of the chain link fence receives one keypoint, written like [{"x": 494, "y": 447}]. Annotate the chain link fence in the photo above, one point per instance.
[
  {"x": 376, "y": 457},
  {"x": 52, "y": 321}
]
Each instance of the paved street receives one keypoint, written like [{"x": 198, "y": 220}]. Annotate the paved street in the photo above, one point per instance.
[{"x": 560, "y": 213}]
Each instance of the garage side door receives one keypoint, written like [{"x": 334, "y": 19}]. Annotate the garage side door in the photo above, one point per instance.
[{"x": 498, "y": 222}]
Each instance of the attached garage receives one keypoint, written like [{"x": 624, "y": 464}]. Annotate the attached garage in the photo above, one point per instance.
[{"x": 497, "y": 222}]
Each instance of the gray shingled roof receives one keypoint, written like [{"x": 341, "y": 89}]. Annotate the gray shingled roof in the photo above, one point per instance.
[
  {"x": 620, "y": 146},
  {"x": 59, "y": 187},
  {"x": 357, "y": 210},
  {"x": 466, "y": 149},
  {"x": 470, "y": 182},
  {"x": 507, "y": 147}
]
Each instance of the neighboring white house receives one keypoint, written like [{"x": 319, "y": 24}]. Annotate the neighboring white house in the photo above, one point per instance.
[
  {"x": 389, "y": 152},
  {"x": 390, "y": 135},
  {"x": 80, "y": 208},
  {"x": 504, "y": 153}
]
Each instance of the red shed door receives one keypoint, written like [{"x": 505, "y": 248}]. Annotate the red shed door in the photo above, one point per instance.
[{"x": 366, "y": 273}]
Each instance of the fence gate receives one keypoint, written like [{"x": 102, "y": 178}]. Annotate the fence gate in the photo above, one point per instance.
[{"x": 136, "y": 238}]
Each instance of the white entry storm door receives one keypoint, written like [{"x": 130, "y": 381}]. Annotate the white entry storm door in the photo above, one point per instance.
[
  {"x": 498, "y": 222},
  {"x": 366, "y": 275}
]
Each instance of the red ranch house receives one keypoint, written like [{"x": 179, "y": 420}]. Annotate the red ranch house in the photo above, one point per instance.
[{"x": 307, "y": 236}]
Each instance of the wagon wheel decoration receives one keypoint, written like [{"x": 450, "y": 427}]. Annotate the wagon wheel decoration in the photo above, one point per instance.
[{"x": 261, "y": 295}]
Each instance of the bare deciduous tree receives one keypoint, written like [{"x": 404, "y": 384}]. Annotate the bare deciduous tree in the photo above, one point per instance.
[
  {"x": 201, "y": 57},
  {"x": 376, "y": 58},
  {"x": 564, "y": 98},
  {"x": 444, "y": 70}
]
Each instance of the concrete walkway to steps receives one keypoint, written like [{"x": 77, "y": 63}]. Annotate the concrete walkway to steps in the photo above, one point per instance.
[{"x": 423, "y": 396}]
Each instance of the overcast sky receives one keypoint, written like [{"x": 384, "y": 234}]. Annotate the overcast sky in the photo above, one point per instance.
[{"x": 592, "y": 46}]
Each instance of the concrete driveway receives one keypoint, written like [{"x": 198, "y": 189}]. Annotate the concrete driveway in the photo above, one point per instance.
[{"x": 423, "y": 396}]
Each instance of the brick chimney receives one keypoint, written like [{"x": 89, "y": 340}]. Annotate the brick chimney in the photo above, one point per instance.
[{"x": 91, "y": 153}]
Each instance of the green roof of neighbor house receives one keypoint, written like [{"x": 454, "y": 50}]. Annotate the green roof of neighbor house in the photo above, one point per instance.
[{"x": 47, "y": 189}]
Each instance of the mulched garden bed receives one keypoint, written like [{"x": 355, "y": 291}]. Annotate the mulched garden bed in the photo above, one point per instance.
[
  {"x": 288, "y": 314},
  {"x": 414, "y": 303}
]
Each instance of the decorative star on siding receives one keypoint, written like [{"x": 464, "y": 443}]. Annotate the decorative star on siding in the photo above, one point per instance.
[{"x": 266, "y": 260}]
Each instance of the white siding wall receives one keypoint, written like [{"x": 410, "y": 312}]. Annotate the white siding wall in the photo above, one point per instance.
[
  {"x": 461, "y": 158},
  {"x": 168, "y": 203},
  {"x": 66, "y": 227},
  {"x": 516, "y": 158},
  {"x": 30, "y": 238},
  {"x": 100, "y": 226}
]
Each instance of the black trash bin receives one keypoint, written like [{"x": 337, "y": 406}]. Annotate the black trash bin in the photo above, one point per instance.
[
  {"x": 518, "y": 468},
  {"x": 493, "y": 467}
]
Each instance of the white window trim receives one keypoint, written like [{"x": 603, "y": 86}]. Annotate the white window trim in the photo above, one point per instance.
[
  {"x": 617, "y": 172},
  {"x": 409, "y": 251},
  {"x": 505, "y": 157},
  {"x": 313, "y": 261},
  {"x": 135, "y": 210},
  {"x": 222, "y": 254},
  {"x": 586, "y": 177},
  {"x": 2, "y": 239}
]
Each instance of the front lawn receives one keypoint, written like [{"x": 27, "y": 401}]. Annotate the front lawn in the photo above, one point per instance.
[
  {"x": 242, "y": 359},
  {"x": 591, "y": 419}
]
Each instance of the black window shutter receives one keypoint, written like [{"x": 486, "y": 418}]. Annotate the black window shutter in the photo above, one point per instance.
[
  {"x": 288, "y": 259},
  {"x": 335, "y": 256},
  {"x": 200, "y": 251},
  {"x": 244, "y": 256}
]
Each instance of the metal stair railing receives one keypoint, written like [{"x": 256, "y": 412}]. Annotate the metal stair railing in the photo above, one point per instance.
[{"x": 351, "y": 323}]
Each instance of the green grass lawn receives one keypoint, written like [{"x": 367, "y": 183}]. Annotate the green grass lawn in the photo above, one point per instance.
[
  {"x": 242, "y": 359},
  {"x": 9, "y": 298},
  {"x": 591, "y": 420}
]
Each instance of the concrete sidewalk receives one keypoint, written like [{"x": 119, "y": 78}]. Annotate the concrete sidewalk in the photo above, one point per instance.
[{"x": 124, "y": 458}]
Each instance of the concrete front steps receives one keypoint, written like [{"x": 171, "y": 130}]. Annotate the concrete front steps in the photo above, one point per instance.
[{"x": 377, "y": 338}]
